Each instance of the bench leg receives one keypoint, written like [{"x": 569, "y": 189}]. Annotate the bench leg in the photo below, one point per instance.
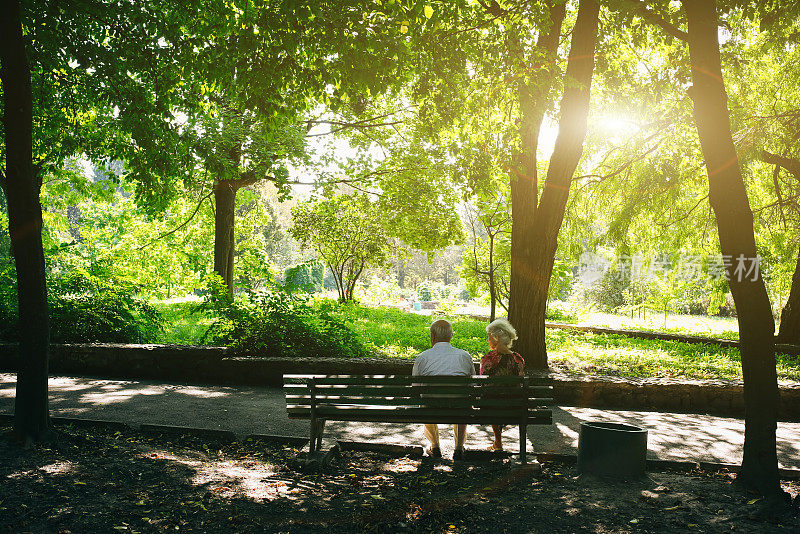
[
  {"x": 523, "y": 444},
  {"x": 313, "y": 438},
  {"x": 317, "y": 428},
  {"x": 320, "y": 431}
]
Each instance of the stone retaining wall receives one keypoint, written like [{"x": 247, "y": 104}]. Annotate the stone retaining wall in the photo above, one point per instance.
[{"x": 216, "y": 365}]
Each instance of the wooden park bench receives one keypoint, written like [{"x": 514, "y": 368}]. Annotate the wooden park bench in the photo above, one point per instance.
[{"x": 482, "y": 400}]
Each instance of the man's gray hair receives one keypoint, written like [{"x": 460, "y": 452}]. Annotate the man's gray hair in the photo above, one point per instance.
[
  {"x": 502, "y": 331},
  {"x": 442, "y": 330}
]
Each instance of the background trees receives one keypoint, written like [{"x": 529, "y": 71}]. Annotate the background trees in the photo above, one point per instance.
[{"x": 348, "y": 234}]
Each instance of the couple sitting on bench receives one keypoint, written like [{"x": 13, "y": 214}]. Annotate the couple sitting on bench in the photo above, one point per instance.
[{"x": 444, "y": 359}]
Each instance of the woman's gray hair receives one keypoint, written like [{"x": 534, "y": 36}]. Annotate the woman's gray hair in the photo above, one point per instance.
[
  {"x": 442, "y": 330},
  {"x": 502, "y": 331}
]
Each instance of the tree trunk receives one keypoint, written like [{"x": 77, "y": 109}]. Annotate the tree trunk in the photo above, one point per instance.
[
  {"x": 22, "y": 186},
  {"x": 401, "y": 273},
  {"x": 224, "y": 245},
  {"x": 549, "y": 214},
  {"x": 525, "y": 189},
  {"x": 492, "y": 281},
  {"x": 728, "y": 198},
  {"x": 790, "y": 316}
]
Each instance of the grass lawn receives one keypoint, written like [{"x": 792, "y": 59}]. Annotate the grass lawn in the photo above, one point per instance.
[
  {"x": 396, "y": 333},
  {"x": 182, "y": 325},
  {"x": 693, "y": 325}
]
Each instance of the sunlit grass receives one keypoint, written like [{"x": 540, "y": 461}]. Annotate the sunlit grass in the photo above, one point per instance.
[
  {"x": 183, "y": 325},
  {"x": 693, "y": 325}
]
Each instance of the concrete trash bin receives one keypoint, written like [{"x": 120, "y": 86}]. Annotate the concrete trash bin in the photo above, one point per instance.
[{"x": 612, "y": 449}]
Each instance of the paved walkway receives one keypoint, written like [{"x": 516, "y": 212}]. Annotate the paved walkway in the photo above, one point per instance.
[{"x": 262, "y": 410}]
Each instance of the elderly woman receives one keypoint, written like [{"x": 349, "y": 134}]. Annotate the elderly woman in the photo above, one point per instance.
[{"x": 501, "y": 360}]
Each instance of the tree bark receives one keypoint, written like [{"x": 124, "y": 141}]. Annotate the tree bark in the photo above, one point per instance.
[
  {"x": 224, "y": 244},
  {"x": 525, "y": 189},
  {"x": 492, "y": 282},
  {"x": 536, "y": 270},
  {"x": 728, "y": 198},
  {"x": 22, "y": 185},
  {"x": 790, "y": 316}
]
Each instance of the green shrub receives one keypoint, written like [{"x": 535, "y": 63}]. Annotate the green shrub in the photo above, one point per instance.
[
  {"x": 424, "y": 293},
  {"x": 85, "y": 308},
  {"x": 608, "y": 293},
  {"x": 276, "y": 322},
  {"x": 306, "y": 277},
  {"x": 559, "y": 314}
]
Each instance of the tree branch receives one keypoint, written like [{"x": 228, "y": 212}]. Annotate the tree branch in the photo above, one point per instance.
[
  {"x": 183, "y": 224},
  {"x": 790, "y": 164},
  {"x": 641, "y": 9},
  {"x": 685, "y": 215}
]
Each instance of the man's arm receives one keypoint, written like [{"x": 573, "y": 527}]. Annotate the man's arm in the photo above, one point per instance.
[
  {"x": 469, "y": 365},
  {"x": 415, "y": 370}
]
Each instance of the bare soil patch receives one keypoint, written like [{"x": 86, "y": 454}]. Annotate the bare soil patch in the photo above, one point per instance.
[{"x": 102, "y": 480}]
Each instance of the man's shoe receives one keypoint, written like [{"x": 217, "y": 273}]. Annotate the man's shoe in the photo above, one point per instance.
[
  {"x": 458, "y": 454},
  {"x": 434, "y": 452}
]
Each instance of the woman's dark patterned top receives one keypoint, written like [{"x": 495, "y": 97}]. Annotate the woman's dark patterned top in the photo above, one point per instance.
[{"x": 502, "y": 364}]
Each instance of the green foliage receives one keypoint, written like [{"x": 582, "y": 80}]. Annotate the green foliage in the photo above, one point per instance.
[
  {"x": 608, "y": 292},
  {"x": 382, "y": 290},
  {"x": 424, "y": 293},
  {"x": 279, "y": 323},
  {"x": 87, "y": 308},
  {"x": 559, "y": 314},
  {"x": 184, "y": 322},
  {"x": 306, "y": 277},
  {"x": 446, "y": 308},
  {"x": 348, "y": 234},
  {"x": 560, "y": 280}
]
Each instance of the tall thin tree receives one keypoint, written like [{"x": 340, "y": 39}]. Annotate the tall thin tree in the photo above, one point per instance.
[{"x": 21, "y": 184}]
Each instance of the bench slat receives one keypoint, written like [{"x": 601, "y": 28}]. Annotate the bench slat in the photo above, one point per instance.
[
  {"x": 326, "y": 410},
  {"x": 424, "y": 415},
  {"x": 415, "y": 390},
  {"x": 408, "y": 379},
  {"x": 297, "y": 400}
]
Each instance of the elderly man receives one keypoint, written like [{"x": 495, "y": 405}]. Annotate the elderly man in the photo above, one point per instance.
[{"x": 444, "y": 359}]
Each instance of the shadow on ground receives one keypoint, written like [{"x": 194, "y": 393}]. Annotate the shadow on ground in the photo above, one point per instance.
[{"x": 262, "y": 410}]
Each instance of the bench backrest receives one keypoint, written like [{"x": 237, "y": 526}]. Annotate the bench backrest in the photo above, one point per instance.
[{"x": 422, "y": 399}]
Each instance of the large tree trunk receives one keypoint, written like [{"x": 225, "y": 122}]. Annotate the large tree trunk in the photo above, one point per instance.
[
  {"x": 790, "y": 316},
  {"x": 728, "y": 198},
  {"x": 21, "y": 186},
  {"x": 549, "y": 214},
  {"x": 224, "y": 244},
  {"x": 533, "y": 97}
]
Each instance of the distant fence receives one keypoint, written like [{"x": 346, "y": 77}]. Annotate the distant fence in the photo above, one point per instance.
[{"x": 216, "y": 365}]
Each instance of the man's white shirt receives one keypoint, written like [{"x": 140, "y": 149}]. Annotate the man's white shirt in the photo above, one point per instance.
[{"x": 443, "y": 359}]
